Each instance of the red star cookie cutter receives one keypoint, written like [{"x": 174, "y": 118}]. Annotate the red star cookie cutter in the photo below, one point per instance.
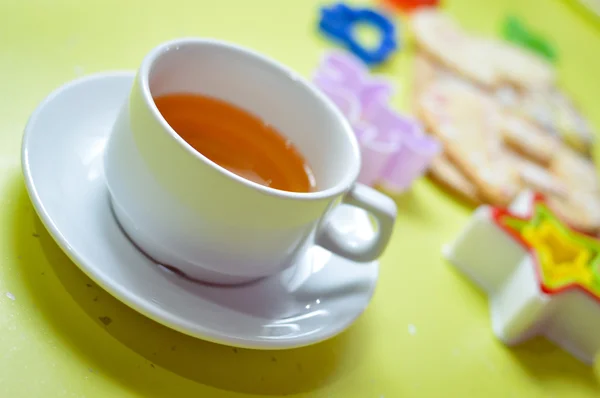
[{"x": 541, "y": 276}]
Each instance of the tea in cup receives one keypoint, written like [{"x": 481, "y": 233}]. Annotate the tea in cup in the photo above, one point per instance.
[{"x": 225, "y": 165}]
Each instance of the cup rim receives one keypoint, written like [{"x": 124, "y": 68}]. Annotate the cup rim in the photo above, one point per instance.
[{"x": 162, "y": 50}]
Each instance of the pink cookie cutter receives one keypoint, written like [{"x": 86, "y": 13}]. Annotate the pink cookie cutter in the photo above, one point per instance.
[{"x": 394, "y": 149}]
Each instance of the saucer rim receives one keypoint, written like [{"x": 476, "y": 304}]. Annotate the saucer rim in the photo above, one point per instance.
[{"x": 135, "y": 301}]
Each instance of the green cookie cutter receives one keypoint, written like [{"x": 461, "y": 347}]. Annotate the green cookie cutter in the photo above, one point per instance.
[{"x": 516, "y": 32}]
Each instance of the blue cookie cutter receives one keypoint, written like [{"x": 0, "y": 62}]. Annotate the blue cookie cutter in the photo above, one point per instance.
[{"x": 339, "y": 20}]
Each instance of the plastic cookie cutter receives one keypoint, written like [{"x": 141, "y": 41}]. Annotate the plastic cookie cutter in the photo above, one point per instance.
[
  {"x": 394, "y": 149},
  {"x": 515, "y": 32},
  {"x": 541, "y": 276},
  {"x": 398, "y": 152},
  {"x": 343, "y": 71},
  {"x": 410, "y": 5},
  {"x": 339, "y": 22}
]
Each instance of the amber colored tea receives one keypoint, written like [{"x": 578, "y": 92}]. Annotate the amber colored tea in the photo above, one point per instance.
[{"x": 237, "y": 140}]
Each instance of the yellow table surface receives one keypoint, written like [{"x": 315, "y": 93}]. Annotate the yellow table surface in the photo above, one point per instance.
[{"x": 52, "y": 343}]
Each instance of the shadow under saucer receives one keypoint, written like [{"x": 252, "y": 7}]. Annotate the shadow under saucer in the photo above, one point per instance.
[{"x": 139, "y": 347}]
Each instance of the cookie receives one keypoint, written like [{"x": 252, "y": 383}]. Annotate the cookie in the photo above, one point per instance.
[
  {"x": 485, "y": 61},
  {"x": 540, "y": 180},
  {"x": 580, "y": 210},
  {"x": 507, "y": 97},
  {"x": 439, "y": 36},
  {"x": 444, "y": 173},
  {"x": 535, "y": 106},
  {"x": 570, "y": 123},
  {"x": 564, "y": 195},
  {"x": 523, "y": 69},
  {"x": 576, "y": 170},
  {"x": 467, "y": 122},
  {"x": 581, "y": 206},
  {"x": 503, "y": 123},
  {"x": 552, "y": 111},
  {"x": 528, "y": 140},
  {"x": 537, "y": 178},
  {"x": 425, "y": 72}
]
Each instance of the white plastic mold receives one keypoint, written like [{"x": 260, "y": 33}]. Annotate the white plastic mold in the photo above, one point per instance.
[{"x": 540, "y": 275}]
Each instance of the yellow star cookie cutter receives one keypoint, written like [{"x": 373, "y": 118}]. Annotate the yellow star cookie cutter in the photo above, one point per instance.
[{"x": 565, "y": 257}]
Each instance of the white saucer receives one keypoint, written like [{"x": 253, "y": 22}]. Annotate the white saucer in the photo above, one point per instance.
[{"x": 62, "y": 162}]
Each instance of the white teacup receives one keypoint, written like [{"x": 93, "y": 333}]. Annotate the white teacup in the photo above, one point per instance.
[{"x": 187, "y": 212}]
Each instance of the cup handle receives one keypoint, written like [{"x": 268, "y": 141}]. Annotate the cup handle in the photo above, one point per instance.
[{"x": 380, "y": 206}]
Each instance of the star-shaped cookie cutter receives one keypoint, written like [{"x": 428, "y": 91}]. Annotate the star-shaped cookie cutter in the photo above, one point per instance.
[
  {"x": 564, "y": 258},
  {"x": 339, "y": 22},
  {"x": 541, "y": 276},
  {"x": 395, "y": 151}
]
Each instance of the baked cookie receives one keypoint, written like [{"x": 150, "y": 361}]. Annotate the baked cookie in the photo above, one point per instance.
[
  {"x": 515, "y": 66},
  {"x": 485, "y": 61},
  {"x": 441, "y": 38},
  {"x": 581, "y": 206},
  {"x": 552, "y": 111},
  {"x": 580, "y": 210},
  {"x": 537, "y": 178},
  {"x": 425, "y": 72},
  {"x": 503, "y": 123},
  {"x": 570, "y": 123},
  {"x": 527, "y": 139},
  {"x": 535, "y": 106},
  {"x": 575, "y": 170},
  {"x": 467, "y": 122},
  {"x": 445, "y": 174}
]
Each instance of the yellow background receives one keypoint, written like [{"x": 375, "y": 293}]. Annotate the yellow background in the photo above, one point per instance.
[{"x": 52, "y": 343}]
